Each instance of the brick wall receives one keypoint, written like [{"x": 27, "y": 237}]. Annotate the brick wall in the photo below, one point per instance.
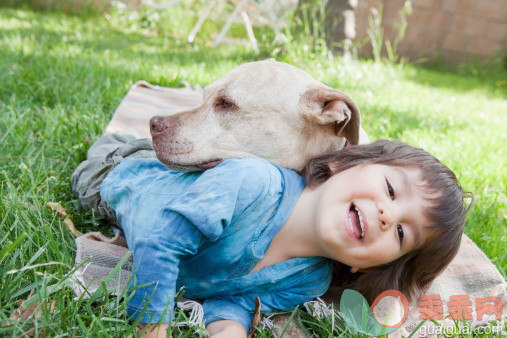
[{"x": 453, "y": 30}]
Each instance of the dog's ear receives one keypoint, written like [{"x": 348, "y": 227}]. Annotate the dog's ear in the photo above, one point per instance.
[{"x": 327, "y": 105}]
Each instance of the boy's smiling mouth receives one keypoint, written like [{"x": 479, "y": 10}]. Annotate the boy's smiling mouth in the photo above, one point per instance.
[{"x": 356, "y": 224}]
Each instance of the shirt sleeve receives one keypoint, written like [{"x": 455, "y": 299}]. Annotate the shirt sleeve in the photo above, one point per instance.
[
  {"x": 156, "y": 258},
  {"x": 224, "y": 193}
]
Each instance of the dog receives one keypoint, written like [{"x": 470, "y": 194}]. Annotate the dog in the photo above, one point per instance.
[{"x": 266, "y": 109}]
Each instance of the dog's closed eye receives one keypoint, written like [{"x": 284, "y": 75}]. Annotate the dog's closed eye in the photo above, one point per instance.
[{"x": 224, "y": 104}]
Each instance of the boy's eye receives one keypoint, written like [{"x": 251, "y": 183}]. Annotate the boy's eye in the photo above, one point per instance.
[
  {"x": 401, "y": 233},
  {"x": 390, "y": 190}
]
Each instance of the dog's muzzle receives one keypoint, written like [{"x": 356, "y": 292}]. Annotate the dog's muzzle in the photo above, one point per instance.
[{"x": 159, "y": 125}]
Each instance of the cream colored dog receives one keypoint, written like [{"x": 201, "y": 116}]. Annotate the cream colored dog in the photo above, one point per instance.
[{"x": 265, "y": 109}]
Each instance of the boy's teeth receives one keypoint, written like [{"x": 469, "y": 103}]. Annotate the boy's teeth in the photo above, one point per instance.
[
  {"x": 351, "y": 225},
  {"x": 360, "y": 221}
]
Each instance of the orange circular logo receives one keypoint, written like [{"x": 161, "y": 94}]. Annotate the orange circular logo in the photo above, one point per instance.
[{"x": 390, "y": 308}]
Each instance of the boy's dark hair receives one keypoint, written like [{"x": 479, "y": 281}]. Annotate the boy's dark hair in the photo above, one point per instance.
[{"x": 446, "y": 214}]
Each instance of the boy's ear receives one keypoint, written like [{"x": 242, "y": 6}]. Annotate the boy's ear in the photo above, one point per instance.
[
  {"x": 356, "y": 270},
  {"x": 333, "y": 167}
]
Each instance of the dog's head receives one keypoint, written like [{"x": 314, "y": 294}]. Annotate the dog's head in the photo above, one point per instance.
[{"x": 265, "y": 109}]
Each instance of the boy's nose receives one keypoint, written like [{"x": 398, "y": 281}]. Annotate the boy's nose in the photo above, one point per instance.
[{"x": 385, "y": 216}]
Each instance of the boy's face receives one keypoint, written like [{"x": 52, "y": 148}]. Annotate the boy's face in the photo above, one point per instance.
[{"x": 370, "y": 215}]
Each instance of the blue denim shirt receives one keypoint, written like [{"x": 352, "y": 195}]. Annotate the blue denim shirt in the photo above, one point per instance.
[{"x": 206, "y": 231}]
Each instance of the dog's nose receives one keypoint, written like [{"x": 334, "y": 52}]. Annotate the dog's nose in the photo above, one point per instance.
[{"x": 159, "y": 124}]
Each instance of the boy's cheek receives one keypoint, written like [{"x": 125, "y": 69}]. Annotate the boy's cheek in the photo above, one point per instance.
[{"x": 380, "y": 255}]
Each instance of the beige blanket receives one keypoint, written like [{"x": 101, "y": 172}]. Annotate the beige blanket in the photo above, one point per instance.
[{"x": 470, "y": 276}]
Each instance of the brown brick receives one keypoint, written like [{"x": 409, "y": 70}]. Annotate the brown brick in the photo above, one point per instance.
[
  {"x": 438, "y": 39},
  {"x": 362, "y": 13},
  {"x": 389, "y": 32},
  {"x": 455, "y": 42},
  {"x": 392, "y": 9},
  {"x": 412, "y": 19},
  {"x": 469, "y": 26},
  {"x": 395, "y": 3},
  {"x": 452, "y": 58},
  {"x": 365, "y": 5},
  {"x": 482, "y": 47},
  {"x": 361, "y": 27},
  {"x": 459, "y": 6},
  {"x": 496, "y": 31},
  {"x": 420, "y": 36},
  {"x": 412, "y": 51},
  {"x": 427, "y": 3},
  {"x": 390, "y": 14},
  {"x": 490, "y": 9},
  {"x": 435, "y": 19}
]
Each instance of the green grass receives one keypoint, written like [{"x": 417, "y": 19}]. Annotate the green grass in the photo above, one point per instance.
[{"x": 64, "y": 75}]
